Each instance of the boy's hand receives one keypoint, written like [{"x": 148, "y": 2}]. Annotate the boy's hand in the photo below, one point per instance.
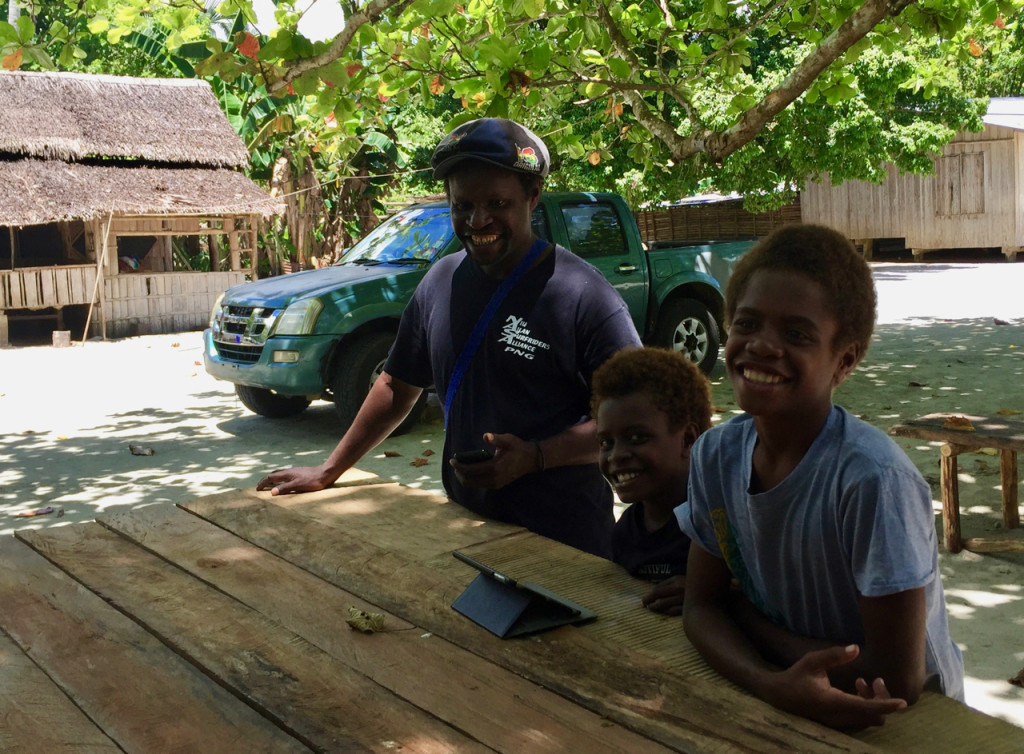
[
  {"x": 877, "y": 689},
  {"x": 804, "y": 689},
  {"x": 667, "y": 596}
]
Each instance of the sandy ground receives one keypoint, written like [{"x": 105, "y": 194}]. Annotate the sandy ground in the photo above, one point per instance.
[{"x": 68, "y": 416}]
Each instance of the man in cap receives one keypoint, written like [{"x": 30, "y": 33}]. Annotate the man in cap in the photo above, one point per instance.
[{"x": 538, "y": 321}]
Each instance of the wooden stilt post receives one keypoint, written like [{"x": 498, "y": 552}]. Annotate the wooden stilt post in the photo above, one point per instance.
[
  {"x": 254, "y": 254},
  {"x": 101, "y": 254},
  {"x": 1008, "y": 475},
  {"x": 233, "y": 250},
  {"x": 950, "y": 499}
]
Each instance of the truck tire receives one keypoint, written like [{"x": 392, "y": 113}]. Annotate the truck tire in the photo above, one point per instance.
[
  {"x": 356, "y": 368},
  {"x": 686, "y": 325},
  {"x": 270, "y": 404}
]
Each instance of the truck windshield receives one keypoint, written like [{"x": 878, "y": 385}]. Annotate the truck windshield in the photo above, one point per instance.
[{"x": 411, "y": 236}]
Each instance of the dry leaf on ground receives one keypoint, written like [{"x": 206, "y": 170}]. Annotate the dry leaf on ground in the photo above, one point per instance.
[
  {"x": 959, "y": 423},
  {"x": 419, "y": 462}
]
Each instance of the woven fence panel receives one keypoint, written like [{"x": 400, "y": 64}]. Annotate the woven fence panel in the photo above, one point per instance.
[{"x": 713, "y": 221}]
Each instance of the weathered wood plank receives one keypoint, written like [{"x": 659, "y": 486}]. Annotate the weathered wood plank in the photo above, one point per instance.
[
  {"x": 142, "y": 695},
  {"x": 418, "y": 524},
  {"x": 492, "y": 705},
  {"x": 989, "y": 431},
  {"x": 312, "y": 695},
  {"x": 926, "y": 727},
  {"x": 35, "y": 715},
  {"x": 679, "y": 711},
  {"x": 993, "y": 544},
  {"x": 595, "y": 582}
]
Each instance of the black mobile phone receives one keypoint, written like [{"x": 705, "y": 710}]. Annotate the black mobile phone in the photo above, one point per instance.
[{"x": 474, "y": 456}]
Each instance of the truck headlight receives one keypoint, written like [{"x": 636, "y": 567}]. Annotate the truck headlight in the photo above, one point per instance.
[
  {"x": 299, "y": 318},
  {"x": 216, "y": 312}
]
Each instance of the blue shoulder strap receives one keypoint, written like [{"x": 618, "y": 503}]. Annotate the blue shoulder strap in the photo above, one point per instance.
[{"x": 477, "y": 335}]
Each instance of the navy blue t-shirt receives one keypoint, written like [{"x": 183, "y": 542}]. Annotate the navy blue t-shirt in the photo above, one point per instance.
[
  {"x": 651, "y": 555},
  {"x": 530, "y": 377}
]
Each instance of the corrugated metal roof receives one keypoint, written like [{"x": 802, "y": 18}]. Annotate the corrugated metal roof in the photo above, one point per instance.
[{"x": 1007, "y": 112}]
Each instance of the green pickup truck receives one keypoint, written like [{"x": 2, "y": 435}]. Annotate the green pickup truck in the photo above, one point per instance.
[{"x": 324, "y": 334}]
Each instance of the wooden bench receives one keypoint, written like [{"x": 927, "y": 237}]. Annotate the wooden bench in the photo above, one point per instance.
[{"x": 999, "y": 432}]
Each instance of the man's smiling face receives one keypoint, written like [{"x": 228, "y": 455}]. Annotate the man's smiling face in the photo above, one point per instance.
[{"x": 491, "y": 212}]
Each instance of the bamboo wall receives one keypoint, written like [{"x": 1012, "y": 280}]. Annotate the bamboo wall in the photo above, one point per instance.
[
  {"x": 145, "y": 303},
  {"x": 150, "y": 300},
  {"x": 46, "y": 287},
  {"x": 712, "y": 221},
  {"x": 973, "y": 200}
]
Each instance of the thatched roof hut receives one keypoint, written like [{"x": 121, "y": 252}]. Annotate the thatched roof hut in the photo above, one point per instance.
[
  {"x": 76, "y": 146},
  {"x": 97, "y": 170}
]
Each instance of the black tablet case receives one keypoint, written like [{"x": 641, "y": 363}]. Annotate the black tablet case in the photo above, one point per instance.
[{"x": 508, "y": 608}]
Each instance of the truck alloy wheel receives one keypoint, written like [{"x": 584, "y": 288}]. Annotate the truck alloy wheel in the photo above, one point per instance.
[
  {"x": 356, "y": 367},
  {"x": 687, "y": 325}
]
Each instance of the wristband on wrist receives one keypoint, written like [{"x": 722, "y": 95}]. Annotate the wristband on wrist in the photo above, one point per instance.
[{"x": 539, "y": 455}]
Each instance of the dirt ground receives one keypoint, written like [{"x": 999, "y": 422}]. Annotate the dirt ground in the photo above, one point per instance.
[{"x": 69, "y": 415}]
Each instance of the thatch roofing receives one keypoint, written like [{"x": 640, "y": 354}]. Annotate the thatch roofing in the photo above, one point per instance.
[
  {"x": 72, "y": 116},
  {"x": 79, "y": 146},
  {"x": 34, "y": 192}
]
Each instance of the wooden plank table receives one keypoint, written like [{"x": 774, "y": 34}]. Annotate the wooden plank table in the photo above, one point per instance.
[
  {"x": 220, "y": 626},
  {"x": 999, "y": 432}
]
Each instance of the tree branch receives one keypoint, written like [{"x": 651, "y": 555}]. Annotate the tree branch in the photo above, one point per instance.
[
  {"x": 624, "y": 50},
  {"x": 851, "y": 31},
  {"x": 370, "y": 13}
]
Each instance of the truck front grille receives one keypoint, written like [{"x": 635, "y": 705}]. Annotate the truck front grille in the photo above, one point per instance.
[
  {"x": 239, "y": 332},
  {"x": 242, "y": 354}
]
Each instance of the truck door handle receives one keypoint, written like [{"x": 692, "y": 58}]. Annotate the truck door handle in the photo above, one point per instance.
[{"x": 625, "y": 269}]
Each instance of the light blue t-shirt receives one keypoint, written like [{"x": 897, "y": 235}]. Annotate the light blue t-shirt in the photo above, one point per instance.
[{"x": 854, "y": 517}]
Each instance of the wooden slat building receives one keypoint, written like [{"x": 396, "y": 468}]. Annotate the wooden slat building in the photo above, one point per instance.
[
  {"x": 97, "y": 169},
  {"x": 974, "y": 199}
]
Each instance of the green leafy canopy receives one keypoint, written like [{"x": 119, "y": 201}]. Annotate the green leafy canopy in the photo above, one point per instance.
[{"x": 655, "y": 99}]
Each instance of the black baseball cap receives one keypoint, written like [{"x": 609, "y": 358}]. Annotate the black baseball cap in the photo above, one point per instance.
[{"x": 497, "y": 141}]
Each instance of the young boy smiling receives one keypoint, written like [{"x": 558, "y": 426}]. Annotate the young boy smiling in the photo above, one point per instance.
[
  {"x": 821, "y": 518},
  {"x": 650, "y": 405}
]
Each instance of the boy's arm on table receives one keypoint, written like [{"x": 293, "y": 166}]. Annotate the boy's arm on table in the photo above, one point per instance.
[
  {"x": 894, "y": 641},
  {"x": 893, "y": 648},
  {"x": 803, "y": 688}
]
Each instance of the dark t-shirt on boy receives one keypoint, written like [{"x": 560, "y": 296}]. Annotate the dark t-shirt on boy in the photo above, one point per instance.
[{"x": 653, "y": 556}]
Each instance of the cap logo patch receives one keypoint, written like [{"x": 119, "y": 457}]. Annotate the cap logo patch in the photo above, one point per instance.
[{"x": 527, "y": 158}]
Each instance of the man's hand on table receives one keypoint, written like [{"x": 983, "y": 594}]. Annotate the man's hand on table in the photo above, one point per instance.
[{"x": 295, "y": 479}]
